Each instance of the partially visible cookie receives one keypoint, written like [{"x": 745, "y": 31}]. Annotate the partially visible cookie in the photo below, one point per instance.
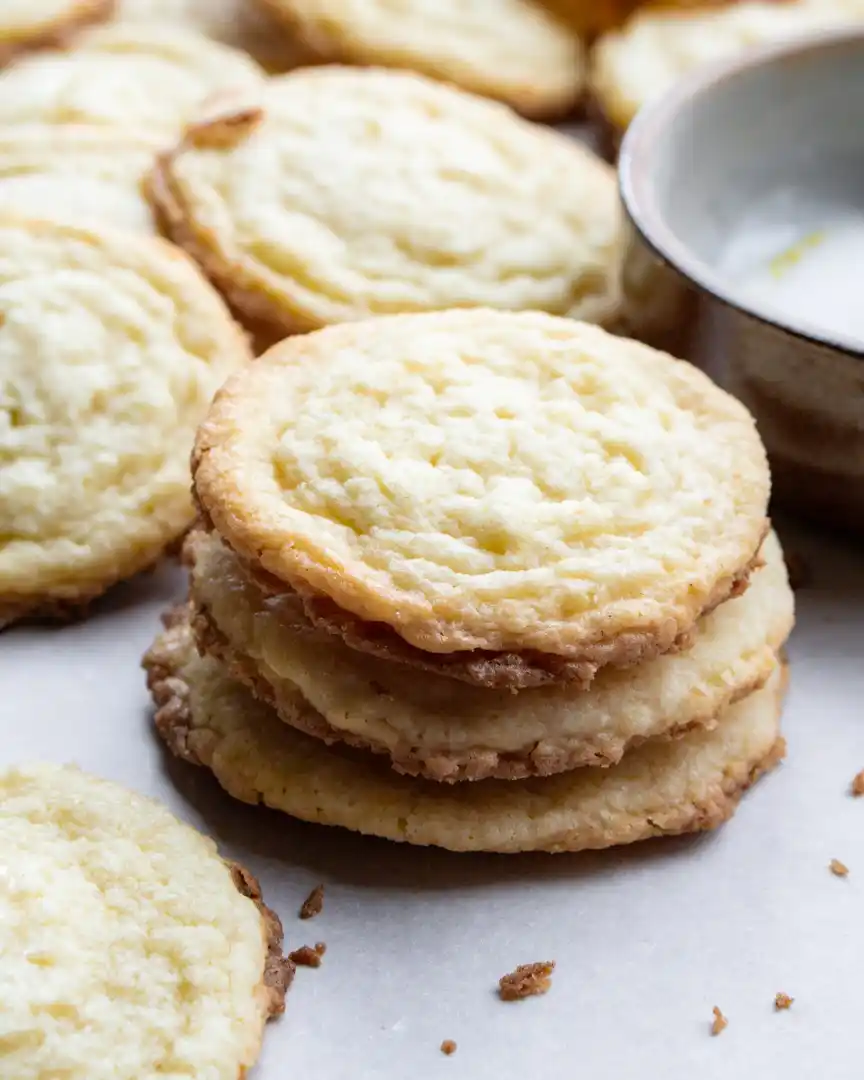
[
  {"x": 690, "y": 784},
  {"x": 31, "y": 24},
  {"x": 633, "y": 66},
  {"x": 130, "y": 948},
  {"x": 481, "y": 480},
  {"x": 111, "y": 347},
  {"x": 432, "y": 726},
  {"x": 510, "y": 50},
  {"x": 143, "y": 78},
  {"x": 452, "y": 202},
  {"x": 239, "y": 23},
  {"x": 79, "y": 173}
]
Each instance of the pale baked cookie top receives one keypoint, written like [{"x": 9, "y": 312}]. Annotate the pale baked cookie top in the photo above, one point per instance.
[
  {"x": 111, "y": 347},
  {"x": 654, "y": 49},
  {"x": 512, "y": 50},
  {"x": 34, "y": 22},
  {"x": 141, "y": 77},
  {"x": 489, "y": 480},
  {"x": 80, "y": 173},
  {"x": 373, "y": 192},
  {"x": 129, "y": 948}
]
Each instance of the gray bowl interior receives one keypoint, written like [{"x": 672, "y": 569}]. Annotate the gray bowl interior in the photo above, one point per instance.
[{"x": 780, "y": 136}]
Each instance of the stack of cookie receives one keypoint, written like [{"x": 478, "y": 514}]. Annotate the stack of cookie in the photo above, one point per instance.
[{"x": 484, "y": 580}]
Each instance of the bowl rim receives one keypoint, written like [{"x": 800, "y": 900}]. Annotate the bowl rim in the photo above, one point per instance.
[{"x": 635, "y": 180}]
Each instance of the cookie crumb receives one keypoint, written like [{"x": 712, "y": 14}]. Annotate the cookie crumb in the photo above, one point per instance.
[
  {"x": 799, "y": 570},
  {"x": 313, "y": 905},
  {"x": 306, "y": 956},
  {"x": 528, "y": 980},
  {"x": 782, "y": 1001},
  {"x": 448, "y": 1047},
  {"x": 720, "y": 1023},
  {"x": 320, "y": 947},
  {"x": 858, "y": 784},
  {"x": 838, "y": 868}
]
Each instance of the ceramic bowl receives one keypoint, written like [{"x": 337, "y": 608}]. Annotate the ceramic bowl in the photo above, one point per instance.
[{"x": 745, "y": 186}]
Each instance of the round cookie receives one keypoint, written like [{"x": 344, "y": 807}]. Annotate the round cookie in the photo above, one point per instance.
[
  {"x": 638, "y": 63},
  {"x": 31, "y": 24},
  {"x": 492, "y": 481},
  {"x": 130, "y": 948},
  {"x": 431, "y": 726},
  {"x": 83, "y": 174},
  {"x": 111, "y": 347},
  {"x": 664, "y": 787},
  {"x": 452, "y": 202},
  {"x": 239, "y": 23},
  {"x": 140, "y": 78},
  {"x": 510, "y": 50}
]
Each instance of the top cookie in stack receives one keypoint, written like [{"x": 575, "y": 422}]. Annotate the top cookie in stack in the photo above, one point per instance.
[{"x": 508, "y": 499}]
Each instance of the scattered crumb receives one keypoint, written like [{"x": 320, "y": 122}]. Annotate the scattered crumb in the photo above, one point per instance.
[
  {"x": 320, "y": 947},
  {"x": 799, "y": 570},
  {"x": 448, "y": 1047},
  {"x": 313, "y": 904},
  {"x": 858, "y": 784},
  {"x": 720, "y": 1022},
  {"x": 306, "y": 956},
  {"x": 527, "y": 980},
  {"x": 838, "y": 868},
  {"x": 782, "y": 1001}
]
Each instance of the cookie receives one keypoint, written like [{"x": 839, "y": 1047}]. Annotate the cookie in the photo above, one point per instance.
[
  {"x": 638, "y": 63},
  {"x": 32, "y": 24},
  {"x": 678, "y": 786},
  {"x": 479, "y": 480},
  {"x": 452, "y": 202},
  {"x": 511, "y": 50},
  {"x": 239, "y": 23},
  {"x": 432, "y": 726},
  {"x": 83, "y": 174},
  {"x": 139, "y": 78},
  {"x": 111, "y": 347},
  {"x": 130, "y": 948}
]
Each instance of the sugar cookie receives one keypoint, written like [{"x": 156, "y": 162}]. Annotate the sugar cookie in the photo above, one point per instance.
[
  {"x": 130, "y": 948},
  {"x": 511, "y": 50},
  {"x": 480, "y": 480},
  {"x": 636, "y": 64},
  {"x": 432, "y": 726},
  {"x": 686, "y": 785},
  {"x": 111, "y": 347},
  {"x": 83, "y": 174},
  {"x": 453, "y": 202},
  {"x": 133, "y": 77},
  {"x": 239, "y": 23},
  {"x": 30, "y": 24}
]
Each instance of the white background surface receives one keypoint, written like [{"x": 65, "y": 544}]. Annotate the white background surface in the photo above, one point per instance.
[{"x": 646, "y": 939}]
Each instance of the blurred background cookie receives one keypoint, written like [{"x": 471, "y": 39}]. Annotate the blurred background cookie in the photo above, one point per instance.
[
  {"x": 126, "y": 938},
  {"x": 89, "y": 175},
  {"x": 511, "y": 50},
  {"x": 29, "y": 24},
  {"x": 124, "y": 76},
  {"x": 351, "y": 193},
  {"x": 243, "y": 24},
  {"x": 638, "y": 63},
  {"x": 111, "y": 347}
]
